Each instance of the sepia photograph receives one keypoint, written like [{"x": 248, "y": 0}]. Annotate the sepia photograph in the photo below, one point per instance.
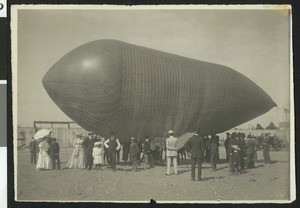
[{"x": 179, "y": 104}]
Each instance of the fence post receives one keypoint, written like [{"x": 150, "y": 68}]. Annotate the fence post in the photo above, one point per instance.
[{"x": 68, "y": 135}]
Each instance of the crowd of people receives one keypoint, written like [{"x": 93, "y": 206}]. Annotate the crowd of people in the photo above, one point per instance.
[
  {"x": 238, "y": 147},
  {"x": 241, "y": 152}
]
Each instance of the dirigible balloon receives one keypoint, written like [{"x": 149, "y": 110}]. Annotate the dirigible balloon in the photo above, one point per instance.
[{"x": 109, "y": 85}]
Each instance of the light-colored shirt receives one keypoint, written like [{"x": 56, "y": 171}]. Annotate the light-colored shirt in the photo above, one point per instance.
[
  {"x": 107, "y": 142},
  {"x": 171, "y": 146}
]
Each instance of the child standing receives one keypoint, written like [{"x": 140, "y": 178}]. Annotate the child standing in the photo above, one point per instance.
[
  {"x": 133, "y": 152},
  {"x": 98, "y": 152}
]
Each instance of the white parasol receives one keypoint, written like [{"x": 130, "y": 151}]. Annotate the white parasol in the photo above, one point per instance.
[{"x": 41, "y": 134}]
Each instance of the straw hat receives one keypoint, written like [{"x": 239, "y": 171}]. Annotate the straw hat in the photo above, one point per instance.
[{"x": 236, "y": 147}]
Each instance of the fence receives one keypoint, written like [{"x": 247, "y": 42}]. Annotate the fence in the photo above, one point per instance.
[{"x": 65, "y": 137}]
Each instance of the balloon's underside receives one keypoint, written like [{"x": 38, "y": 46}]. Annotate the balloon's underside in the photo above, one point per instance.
[{"x": 109, "y": 85}]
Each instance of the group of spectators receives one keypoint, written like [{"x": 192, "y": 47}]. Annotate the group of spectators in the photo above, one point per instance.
[
  {"x": 93, "y": 150},
  {"x": 241, "y": 151}
]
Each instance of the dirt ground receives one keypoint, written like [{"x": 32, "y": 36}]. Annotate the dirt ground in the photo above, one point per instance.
[{"x": 265, "y": 182}]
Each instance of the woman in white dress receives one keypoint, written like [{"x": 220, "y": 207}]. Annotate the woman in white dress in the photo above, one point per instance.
[
  {"x": 76, "y": 160},
  {"x": 44, "y": 160}
]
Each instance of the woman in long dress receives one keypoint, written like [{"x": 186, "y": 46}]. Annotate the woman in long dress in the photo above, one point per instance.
[
  {"x": 76, "y": 160},
  {"x": 44, "y": 160}
]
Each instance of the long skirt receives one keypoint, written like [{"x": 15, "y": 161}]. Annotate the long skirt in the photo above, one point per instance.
[
  {"x": 44, "y": 161},
  {"x": 76, "y": 160}
]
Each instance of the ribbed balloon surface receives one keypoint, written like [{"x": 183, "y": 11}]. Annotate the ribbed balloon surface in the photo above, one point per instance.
[{"x": 109, "y": 85}]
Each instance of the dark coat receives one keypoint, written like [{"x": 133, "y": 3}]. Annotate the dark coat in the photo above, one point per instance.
[
  {"x": 54, "y": 149},
  {"x": 226, "y": 144},
  {"x": 266, "y": 143},
  {"x": 88, "y": 145},
  {"x": 134, "y": 149},
  {"x": 33, "y": 146},
  {"x": 250, "y": 147},
  {"x": 214, "y": 146},
  {"x": 147, "y": 147},
  {"x": 196, "y": 146},
  {"x": 241, "y": 143}
]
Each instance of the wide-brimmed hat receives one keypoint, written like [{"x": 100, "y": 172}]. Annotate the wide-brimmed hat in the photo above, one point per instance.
[
  {"x": 236, "y": 147},
  {"x": 171, "y": 132}
]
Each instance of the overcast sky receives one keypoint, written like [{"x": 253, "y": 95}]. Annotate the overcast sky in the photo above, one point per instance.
[{"x": 253, "y": 42}]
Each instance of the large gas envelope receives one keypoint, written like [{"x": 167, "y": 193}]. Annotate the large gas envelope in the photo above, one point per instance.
[{"x": 109, "y": 85}]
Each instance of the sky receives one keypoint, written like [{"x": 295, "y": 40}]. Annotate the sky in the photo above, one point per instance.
[{"x": 253, "y": 42}]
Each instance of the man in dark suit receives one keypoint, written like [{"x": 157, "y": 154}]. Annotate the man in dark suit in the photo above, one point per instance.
[
  {"x": 126, "y": 148},
  {"x": 242, "y": 152},
  {"x": 33, "y": 150},
  {"x": 206, "y": 140},
  {"x": 250, "y": 150},
  {"x": 54, "y": 154},
  {"x": 88, "y": 145},
  {"x": 214, "y": 152},
  {"x": 226, "y": 145},
  {"x": 148, "y": 159},
  {"x": 196, "y": 146}
]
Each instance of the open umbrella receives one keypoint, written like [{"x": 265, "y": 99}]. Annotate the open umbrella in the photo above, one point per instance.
[{"x": 41, "y": 134}]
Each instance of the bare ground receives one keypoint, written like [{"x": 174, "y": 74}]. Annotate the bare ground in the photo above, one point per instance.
[{"x": 265, "y": 182}]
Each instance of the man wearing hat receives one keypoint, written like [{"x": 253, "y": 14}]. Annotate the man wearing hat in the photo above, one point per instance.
[
  {"x": 242, "y": 152},
  {"x": 88, "y": 145},
  {"x": 113, "y": 145},
  {"x": 231, "y": 158},
  {"x": 196, "y": 146},
  {"x": 214, "y": 152},
  {"x": 226, "y": 145},
  {"x": 33, "y": 150},
  {"x": 250, "y": 150},
  {"x": 171, "y": 152},
  {"x": 133, "y": 152},
  {"x": 266, "y": 148}
]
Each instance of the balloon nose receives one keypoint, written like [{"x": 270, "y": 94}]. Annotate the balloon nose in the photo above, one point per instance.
[{"x": 83, "y": 75}]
